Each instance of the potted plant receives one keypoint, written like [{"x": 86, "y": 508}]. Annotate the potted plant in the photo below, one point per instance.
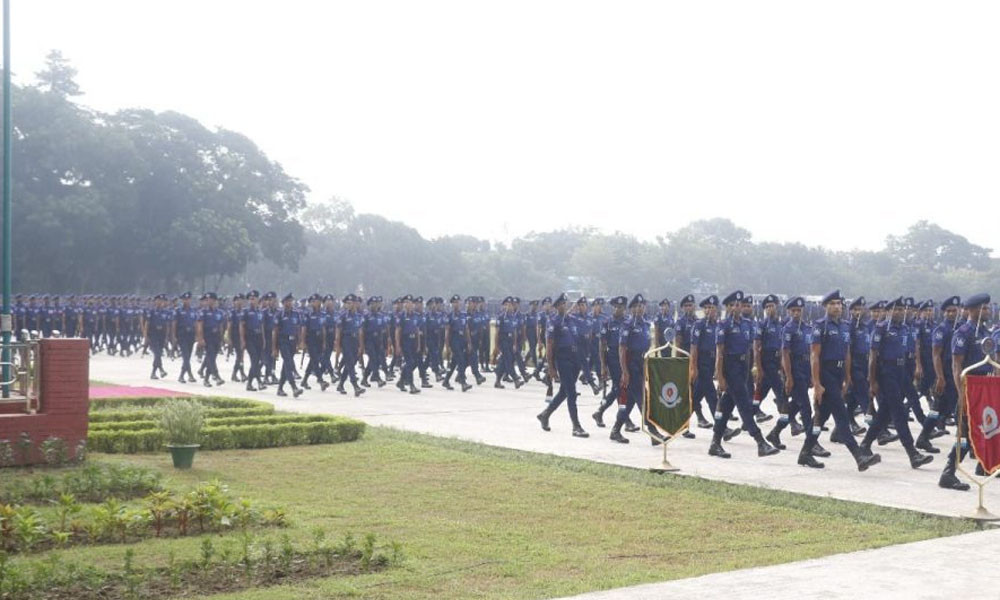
[{"x": 181, "y": 422}]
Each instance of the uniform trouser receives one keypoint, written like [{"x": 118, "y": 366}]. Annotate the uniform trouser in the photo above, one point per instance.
[
  {"x": 519, "y": 363},
  {"x": 255, "y": 345},
  {"x": 267, "y": 360},
  {"x": 458, "y": 363},
  {"x": 891, "y": 376},
  {"x": 942, "y": 406},
  {"x": 156, "y": 343},
  {"x": 314, "y": 346},
  {"x": 532, "y": 351},
  {"x": 90, "y": 332},
  {"x": 70, "y": 330},
  {"x": 928, "y": 378},
  {"x": 287, "y": 349},
  {"x": 594, "y": 360},
  {"x": 505, "y": 361},
  {"x": 910, "y": 393},
  {"x": 410, "y": 359},
  {"x": 798, "y": 402},
  {"x": 704, "y": 386},
  {"x": 376, "y": 358},
  {"x": 568, "y": 368},
  {"x": 734, "y": 369},
  {"x": 857, "y": 394},
  {"x": 633, "y": 393},
  {"x": 238, "y": 351},
  {"x": 614, "y": 373},
  {"x": 831, "y": 376},
  {"x": 348, "y": 362},
  {"x": 434, "y": 359},
  {"x": 212, "y": 345},
  {"x": 326, "y": 362},
  {"x": 474, "y": 357},
  {"x": 186, "y": 344},
  {"x": 770, "y": 380}
]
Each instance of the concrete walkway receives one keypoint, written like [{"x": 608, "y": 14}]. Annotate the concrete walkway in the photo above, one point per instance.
[
  {"x": 506, "y": 418},
  {"x": 954, "y": 567}
]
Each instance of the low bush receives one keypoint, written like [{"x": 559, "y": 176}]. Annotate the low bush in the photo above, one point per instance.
[
  {"x": 217, "y": 422},
  {"x": 105, "y": 410},
  {"x": 317, "y": 430},
  {"x": 90, "y": 483},
  {"x": 151, "y": 414}
]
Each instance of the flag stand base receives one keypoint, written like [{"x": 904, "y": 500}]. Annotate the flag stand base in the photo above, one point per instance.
[
  {"x": 982, "y": 513},
  {"x": 666, "y": 466}
]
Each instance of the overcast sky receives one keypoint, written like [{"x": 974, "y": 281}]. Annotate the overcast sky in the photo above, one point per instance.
[{"x": 832, "y": 123}]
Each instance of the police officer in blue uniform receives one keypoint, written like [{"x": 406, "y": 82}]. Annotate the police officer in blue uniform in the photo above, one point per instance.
[
  {"x": 610, "y": 363},
  {"x": 767, "y": 357},
  {"x": 925, "y": 348},
  {"x": 796, "y": 342},
  {"x": 211, "y": 323},
  {"x": 966, "y": 350},
  {"x": 408, "y": 344},
  {"x": 562, "y": 347},
  {"x": 507, "y": 331},
  {"x": 155, "y": 334},
  {"x": 735, "y": 336},
  {"x": 288, "y": 336},
  {"x": 186, "y": 324},
  {"x": 945, "y": 394},
  {"x": 251, "y": 332},
  {"x": 701, "y": 337},
  {"x": 458, "y": 340},
  {"x": 531, "y": 336},
  {"x": 887, "y": 373},
  {"x": 861, "y": 342},
  {"x": 350, "y": 340},
  {"x": 315, "y": 322},
  {"x": 635, "y": 341}
]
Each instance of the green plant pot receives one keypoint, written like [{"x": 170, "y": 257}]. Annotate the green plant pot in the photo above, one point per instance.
[{"x": 183, "y": 455}]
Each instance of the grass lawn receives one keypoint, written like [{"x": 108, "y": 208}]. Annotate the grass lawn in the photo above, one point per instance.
[{"x": 477, "y": 521}]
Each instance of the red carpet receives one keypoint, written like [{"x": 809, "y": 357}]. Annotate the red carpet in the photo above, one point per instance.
[{"x": 118, "y": 391}]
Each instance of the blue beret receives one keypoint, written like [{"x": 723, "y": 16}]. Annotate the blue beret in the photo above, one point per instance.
[
  {"x": 418, "y": 299},
  {"x": 185, "y": 295},
  {"x": 637, "y": 299},
  {"x": 456, "y": 298},
  {"x": 880, "y": 305},
  {"x": 508, "y": 299},
  {"x": 533, "y": 302},
  {"x": 253, "y": 294},
  {"x": 952, "y": 302},
  {"x": 858, "y": 302},
  {"x": 898, "y": 301},
  {"x": 560, "y": 299},
  {"x": 736, "y": 296},
  {"x": 908, "y": 301},
  {"x": 977, "y": 300},
  {"x": 712, "y": 300},
  {"x": 795, "y": 302},
  {"x": 618, "y": 301},
  {"x": 598, "y": 302},
  {"x": 547, "y": 300},
  {"x": 288, "y": 296},
  {"x": 769, "y": 299},
  {"x": 665, "y": 302},
  {"x": 834, "y": 295},
  {"x": 212, "y": 296},
  {"x": 748, "y": 299},
  {"x": 689, "y": 299},
  {"x": 582, "y": 300}
]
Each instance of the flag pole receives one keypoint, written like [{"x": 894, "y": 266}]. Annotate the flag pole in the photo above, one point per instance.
[
  {"x": 6, "y": 321},
  {"x": 981, "y": 513}
]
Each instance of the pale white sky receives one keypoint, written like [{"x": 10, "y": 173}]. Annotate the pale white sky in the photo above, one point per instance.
[{"x": 498, "y": 118}]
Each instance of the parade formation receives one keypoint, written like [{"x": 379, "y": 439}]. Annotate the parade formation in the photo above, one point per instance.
[{"x": 875, "y": 361}]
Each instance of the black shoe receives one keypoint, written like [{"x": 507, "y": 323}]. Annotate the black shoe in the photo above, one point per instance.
[
  {"x": 806, "y": 460},
  {"x": 480, "y": 380},
  {"x": 595, "y": 388},
  {"x": 364, "y": 383},
  {"x": 867, "y": 460},
  {"x": 518, "y": 383},
  {"x": 466, "y": 386},
  {"x": 886, "y": 438},
  {"x": 580, "y": 433},
  {"x": 358, "y": 390},
  {"x": 447, "y": 385},
  {"x": 341, "y": 390},
  {"x": 774, "y": 438},
  {"x": 206, "y": 383},
  {"x": 323, "y": 385},
  {"x": 400, "y": 386},
  {"x": 765, "y": 449},
  {"x": 599, "y": 419},
  {"x": 688, "y": 434},
  {"x": 413, "y": 389},
  {"x": 925, "y": 444},
  {"x": 219, "y": 381},
  {"x": 731, "y": 433},
  {"x": 616, "y": 436},
  {"x": 703, "y": 424},
  {"x": 857, "y": 430},
  {"x": 632, "y": 427},
  {"x": 282, "y": 392},
  {"x": 297, "y": 392},
  {"x": 820, "y": 451},
  {"x": 181, "y": 379},
  {"x": 305, "y": 385},
  {"x": 761, "y": 416},
  {"x": 251, "y": 388},
  {"x": 950, "y": 482},
  {"x": 716, "y": 449},
  {"x": 917, "y": 459},
  {"x": 796, "y": 428},
  {"x": 499, "y": 385},
  {"x": 381, "y": 383},
  {"x": 424, "y": 384},
  {"x": 938, "y": 433},
  {"x": 543, "y": 418}
]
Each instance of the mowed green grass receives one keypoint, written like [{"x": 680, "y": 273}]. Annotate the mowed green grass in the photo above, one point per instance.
[{"x": 483, "y": 522}]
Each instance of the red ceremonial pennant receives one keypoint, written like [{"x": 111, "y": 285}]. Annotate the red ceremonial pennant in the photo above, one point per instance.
[{"x": 983, "y": 408}]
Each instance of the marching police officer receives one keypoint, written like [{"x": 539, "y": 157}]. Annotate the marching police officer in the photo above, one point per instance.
[
  {"x": 945, "y": 393},
  {"x": 155, "y": 333},
  {"x": 287, "y": 337},
  {"x": 767, "y": 356},
  {"x": 251, "y": 332},
  {"x": 562, "y": 347},
  {"x": 701, "y": 343},
  {"x": 611, "y": 366},
  {"x": 458, "y": 340},
  {"x": 350, "y": 339},
  {"x": 315, "y": 321}
]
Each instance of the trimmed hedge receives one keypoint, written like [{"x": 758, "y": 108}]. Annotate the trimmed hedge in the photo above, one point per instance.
[
  {"x": 327, "y": 430},
  {"x": 154, "y": 401},
  {"x": 215, "y": 422}
]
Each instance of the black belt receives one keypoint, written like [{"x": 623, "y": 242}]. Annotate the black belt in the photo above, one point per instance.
[
  {"x": 899, "y": 362},
  {"x": 834, "y": 363},
  {"x": 737, "y": 357}
]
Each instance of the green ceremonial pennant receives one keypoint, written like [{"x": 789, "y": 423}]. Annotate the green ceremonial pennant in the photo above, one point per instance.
[{"x": 669, "y": 393}]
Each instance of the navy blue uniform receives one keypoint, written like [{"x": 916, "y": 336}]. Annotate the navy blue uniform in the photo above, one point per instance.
[
  {"x": 833, "y": 337},
  {"x": 889, "y": 343},
  {"x": 735, "y": 335},
  {"x": 288, "y": 324},
  {"x": 635, "y": 338},
  {"x": 703, "y": 336}
]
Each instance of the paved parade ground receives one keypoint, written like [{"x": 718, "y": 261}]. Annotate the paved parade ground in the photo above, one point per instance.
[{"x": 506, "y": 418}]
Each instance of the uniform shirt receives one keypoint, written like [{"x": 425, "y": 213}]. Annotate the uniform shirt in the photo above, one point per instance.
[
  {"x": 636, "y": 337},
  {"x": 596, "y": 327},
  {"x": 253, "y": 321},
  {"x": 889, "y": 340},
  {"x": 350, "y": 326},
  {"x": 911, "y": 339},
  {"x": 580, "y": 327},
  {"x": 942, "y": 337},
  {"x": 684, "y": 326},
  {"x": 159, "y": 321},
  {"x": 186, "y": 319},
  {"x": 735, "y": 335},
  {"x": 90, "y": 315},
  {"x": 288, "y": 323},
  {"x": 458, "y": 322},
  {"x": 507, "y": 326},
  {"x": 925, "y": 335},
  {"x": 562, "y": 331},
  {"x": 965, "y": 344},
  {"x": 769, "y": 332},
  {"x": 833, "y": 337},
  {"x": 861, "y": 338},
  {"x": 704, "y": 336},
  {"x": 797, "y": 339},
  {"x": 212, "y": 320},
  {"x": 530, "y": 324},
  {"x": 434, "y": 326},
  {"x": 409, "y": 325},
  {"x": 664, "y": 323},
  {"x": 611, "y": 333}
]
